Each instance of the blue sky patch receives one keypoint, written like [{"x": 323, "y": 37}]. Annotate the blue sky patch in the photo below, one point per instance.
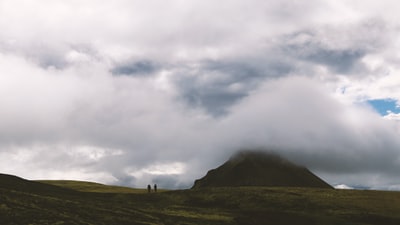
[{"x": 382, "y": 106}]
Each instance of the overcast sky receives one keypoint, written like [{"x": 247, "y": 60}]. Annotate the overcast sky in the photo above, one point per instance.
[{"x": 132, "y": 92}]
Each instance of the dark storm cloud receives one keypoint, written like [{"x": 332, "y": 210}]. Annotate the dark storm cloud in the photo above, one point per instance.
[
  {"x": 341, "y": 49},
  {"x": 215, "y": 100},
  {"x": 340, "y": 61},
  {"x": 138, "y": 68},
  {"x": 217, "y": 85},
  {"x": 254, "y": 67}
]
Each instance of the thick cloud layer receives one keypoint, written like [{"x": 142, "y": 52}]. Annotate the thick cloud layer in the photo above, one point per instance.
[{"x": 133, "y": 92}]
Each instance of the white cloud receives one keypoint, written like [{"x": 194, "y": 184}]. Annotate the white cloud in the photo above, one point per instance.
[
  {"x": 343, "y": 186},
  {"x": 392, "y": 116}
]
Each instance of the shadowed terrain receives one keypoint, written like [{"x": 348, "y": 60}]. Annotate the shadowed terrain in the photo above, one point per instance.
[
  {"x": 86, "y": 186},
  {"x": 29, "y": 202},
  {"x": 252, "y": 168}
]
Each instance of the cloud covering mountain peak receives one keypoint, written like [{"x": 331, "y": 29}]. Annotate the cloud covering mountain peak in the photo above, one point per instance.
[{"x": 110, "y": 91}]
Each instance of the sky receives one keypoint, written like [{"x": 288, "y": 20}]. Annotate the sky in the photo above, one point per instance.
[{"x": 131, "y": 92}]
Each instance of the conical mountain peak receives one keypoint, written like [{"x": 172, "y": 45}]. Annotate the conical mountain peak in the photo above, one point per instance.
[{"x": 256, "y": 168}]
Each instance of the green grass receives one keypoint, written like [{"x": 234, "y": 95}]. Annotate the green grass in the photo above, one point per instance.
[
  {"x": 86, "y": 186},
  {"x": 47, "y": 204},
  {"x": 305, "y": 205}
]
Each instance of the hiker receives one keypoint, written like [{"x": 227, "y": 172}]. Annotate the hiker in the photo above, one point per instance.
[
  {"x": 155, "y": 187},
  {"x": 148, "y": 188}
]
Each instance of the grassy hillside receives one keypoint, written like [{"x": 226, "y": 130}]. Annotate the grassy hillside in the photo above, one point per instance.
[
  {"x": 47, "y": 204},
  {"x": 85, "y": 186}
]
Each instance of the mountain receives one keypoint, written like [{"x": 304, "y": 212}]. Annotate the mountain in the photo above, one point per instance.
[{"x": 253, "y": 168}]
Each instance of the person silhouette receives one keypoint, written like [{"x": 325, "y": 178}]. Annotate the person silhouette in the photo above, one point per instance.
[
  {"x": 148, "y": 188},
  {"x": 155, "y": 187}
]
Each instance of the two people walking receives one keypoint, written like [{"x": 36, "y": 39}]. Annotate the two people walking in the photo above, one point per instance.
[{"x": 149, "y": 188}]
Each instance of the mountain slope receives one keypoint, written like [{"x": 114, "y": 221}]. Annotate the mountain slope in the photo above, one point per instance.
[
  {"x": 15, "y": 183},
  {"x": 85, "y": 186},
  {"x": 252, "y": 168}
]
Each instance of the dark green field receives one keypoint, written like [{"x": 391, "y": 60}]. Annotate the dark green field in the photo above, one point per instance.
[{"x": 27, "y": 202}]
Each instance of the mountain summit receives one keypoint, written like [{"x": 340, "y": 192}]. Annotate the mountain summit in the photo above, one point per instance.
[{"x": 253, "y": 168}]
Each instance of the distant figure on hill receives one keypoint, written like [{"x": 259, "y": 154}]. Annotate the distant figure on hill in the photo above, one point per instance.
[
  {"x": 155, "y": 187},
  {"x": 148, "y": 188}
]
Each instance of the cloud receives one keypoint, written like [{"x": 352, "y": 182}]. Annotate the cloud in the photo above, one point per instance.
[
  {"x": 392, "y": 116},
  {"x": 112, "y": 91},
  {"x": 136, "y": 68},
  {"x": 215, "y": 86},
  {"x": 307, "y": 122},
  {"x": 342, "y": 186},
  {"x": 100, "y": 126},
  {"x": 339, "y": 48}
]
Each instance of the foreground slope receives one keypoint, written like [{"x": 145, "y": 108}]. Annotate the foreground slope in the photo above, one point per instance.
[
  {"x": 252, "y": 168},
  {"x": 28, "y": 202},
  {"x": 85, "y": 186},
  {"x": 18, "y": 184}
]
